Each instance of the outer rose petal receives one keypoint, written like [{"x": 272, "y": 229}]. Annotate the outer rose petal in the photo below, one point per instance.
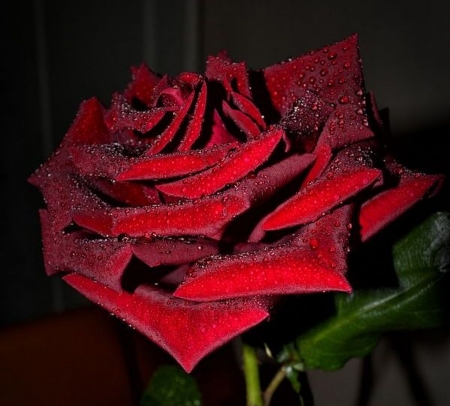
[
  {"x": 188, "y": 331},
  {"x": 89, "y": 125},
  {"x": 339, "y": 80},
  {"x": 385, "y": 207},
  {"x": 313, "y": 261},
  {"x": 102, "y": 259}
]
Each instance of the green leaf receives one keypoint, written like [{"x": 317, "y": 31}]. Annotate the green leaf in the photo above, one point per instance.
[
  {"x": 171, "y": 386},
  {"x": 420, "y": 259}
]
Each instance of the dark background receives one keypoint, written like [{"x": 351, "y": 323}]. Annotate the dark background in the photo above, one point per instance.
[{"x": 55, "y": 54}]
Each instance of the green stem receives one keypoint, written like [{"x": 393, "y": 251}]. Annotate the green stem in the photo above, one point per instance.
[
  {"x": 273, "y": 385},
  {"x": 251, "y": 373}
]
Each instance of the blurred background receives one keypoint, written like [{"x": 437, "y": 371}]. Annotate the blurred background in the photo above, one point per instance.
[{"x": 55, "y": 54}]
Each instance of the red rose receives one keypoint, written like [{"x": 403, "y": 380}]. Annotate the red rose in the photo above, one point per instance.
[{"x": 192, "y": 203}]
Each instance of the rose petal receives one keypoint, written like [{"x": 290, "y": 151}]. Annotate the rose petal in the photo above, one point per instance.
[
  {"x": 111, "y": 162},
  {"x": 89, "y": 125},
  {"x": 233, "y": 76},
  {"x": 242, "y": 121},
  {"x": 188, "y": 331},
  {"x": 314, "y": 200},
  {"x": 248, "y": 107},
  {"x": 207, "y": 217},
  {"x": 323, "y": 154},
  {"x": 345, "y": 126},
  {"x": 386, "y": 206},
  {"x": 142, "y": 85},
  {"x": 173, "y": 251},
  {"x": 167, "y": 135},
  {"x": 219, "y": 133},
  {"x": 333, "y": 72},
  {"x": 131, "y": 194},
  {"x": 175, "y": 164},
  {"x": 102, "y": 259},
  {"x": 246, "y": 158},
  {"x": 195, "y": 124},
  {"x": 122, "y": 115},
  {"x": 313, "y": 261},
  {"x": 304, "y": 121}
]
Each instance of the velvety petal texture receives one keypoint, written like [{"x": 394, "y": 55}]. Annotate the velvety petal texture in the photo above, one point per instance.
[{"x": 191, "y": 204}]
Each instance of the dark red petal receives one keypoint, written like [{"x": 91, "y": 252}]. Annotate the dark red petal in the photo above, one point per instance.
[
  {"x": 304, "y": 121},
  {"x": 385, "y": 207},
  {"x": 89, "y": 125},
  {"x": 63, "y": 194},
  {"x": 195, "y": 124},
  {"x": 188, "y": 331},
  {"x": 313, "y": 261},
  {"x": 249, "y": 108},
  {"x": 219, "y": 133},
  {"x": 346, "y": 125},
  {"x": 334, "y": 72},
  {"x": 132, "y": 194},
  {"x": 268, "y": 181},
  {"x": 122, "y": 115},
  {"x": 207, "y": 217},
  {"x": 175, "y": 164},
  {"x": 167, "y": 135},
  {"x": 235, "y": 166},
  {"x": 314, "y": 200},
  {"x": 142, "y": 85},
  {"x": 102, "y": 259},
  {"x": 105, "y": 160},
  {"x": 242, "y": 121},
  {"x": 233, "y": 76},
  {"x": 323, "y": 154}
]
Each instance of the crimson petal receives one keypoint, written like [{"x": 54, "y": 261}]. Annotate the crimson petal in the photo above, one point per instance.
[
  {"x": 110, "y": 162},
  {"x": 142, "y": 85},
  {"x": 334, "y": 72},
  {"x": 188, "y": 331},
  {"x": 313, "y": 261},
  {"x": 317, "y": 198},
  {"x": 207, "y": 217},
  {"x": 247, "y": 107},
  {"x": 223, "y": 70},
  {"x": 345, "y": 126},
  {"x": 195, "y": 124},
  {"x": 242, "y": 121},
  {"x": 132, "y": 194},
  {"x": 122, "y": 115},
  {"x": 234, "y": 167},
  {"x": 102, "y": 259},
  {"x": 385, "y": 207},
  {"x": 173, "y": 251},
  {"x": 167, "y": 135},
  {"x": 89, "y": 125}
]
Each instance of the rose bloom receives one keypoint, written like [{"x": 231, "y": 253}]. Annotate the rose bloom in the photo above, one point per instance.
[{"x": 193, "y": 203}]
